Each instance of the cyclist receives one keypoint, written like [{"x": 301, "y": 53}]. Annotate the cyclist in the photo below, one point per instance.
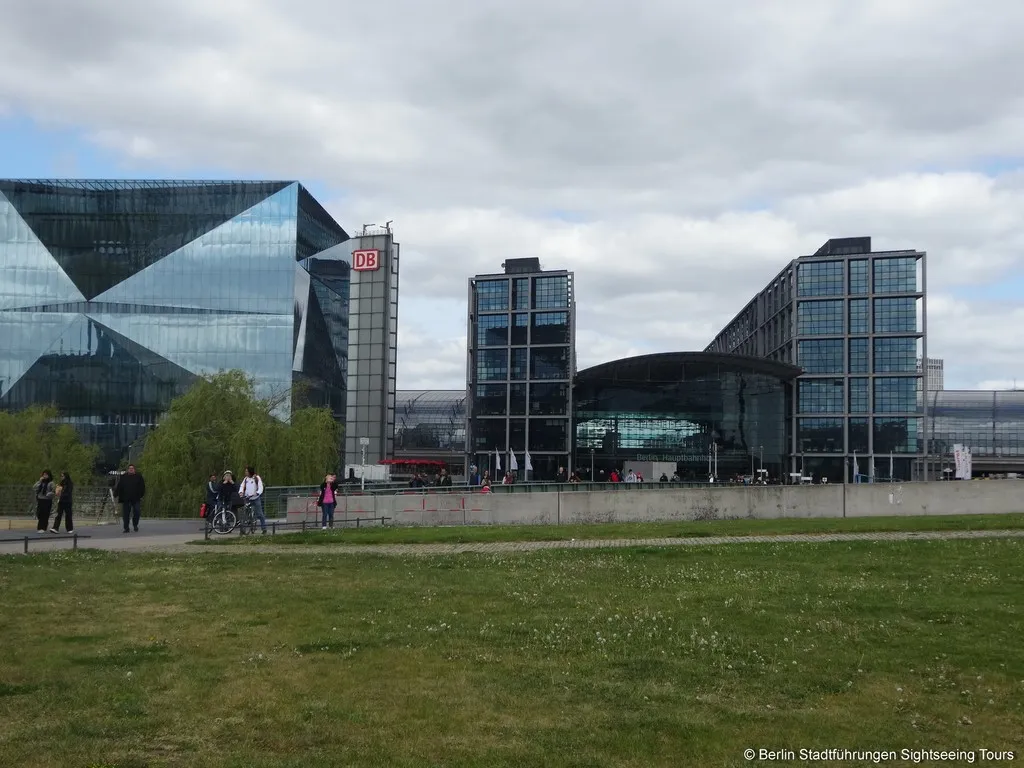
[{"x": 251, "y": 491}]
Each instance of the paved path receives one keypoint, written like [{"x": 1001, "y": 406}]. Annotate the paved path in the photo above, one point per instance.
[{"x": 178, "y": 543}]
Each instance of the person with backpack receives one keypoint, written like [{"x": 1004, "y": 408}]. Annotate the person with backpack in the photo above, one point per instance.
[
  {"x": 251, "y": 491},
  {"x": 63, "y": 493},
  {"x": 44, "y": 491},
  {"x": 328, "y": 500}
]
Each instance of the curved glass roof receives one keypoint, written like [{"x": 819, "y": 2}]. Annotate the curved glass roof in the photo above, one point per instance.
[
  {"x": 986, "y": 405},
  {"x": 674, "y": 366}
]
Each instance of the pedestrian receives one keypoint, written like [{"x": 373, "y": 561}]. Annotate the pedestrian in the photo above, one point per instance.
[
  {"x": 328, "y": 500},
  {"x": 44, "y": 491},
  {"x": 130, "y": 490},
  {"x": 63, "y": 493},
  {"x": 212, "y": 492},
  {"x": 251, "y": 491}
]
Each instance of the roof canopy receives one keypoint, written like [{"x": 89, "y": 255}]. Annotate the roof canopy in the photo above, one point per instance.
[{"x": 679, "y": 366}]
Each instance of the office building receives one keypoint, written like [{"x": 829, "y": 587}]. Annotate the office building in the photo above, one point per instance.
[
  {"x": 116, "y": 295},
  {"x": 934, "y": 379},
  {"x": 854, "y": 320},
  {"x": 520, "y": 368},
  {"x": 372, "y": 346},
  {"x": 703, "y": 413}
]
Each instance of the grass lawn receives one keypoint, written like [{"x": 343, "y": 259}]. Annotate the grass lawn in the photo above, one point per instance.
[
  {"x": 634, "y": 657},
  {"x": 464, "y": 534}
]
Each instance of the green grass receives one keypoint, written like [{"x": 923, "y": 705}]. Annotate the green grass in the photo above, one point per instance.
[
  {"x": 634, "y": 657},
  {"x": 465, "y": 534}
]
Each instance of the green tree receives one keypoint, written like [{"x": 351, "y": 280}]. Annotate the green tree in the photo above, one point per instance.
[
  {"x": 33, "y": 440},
  {"x": 221, "y": 424}
]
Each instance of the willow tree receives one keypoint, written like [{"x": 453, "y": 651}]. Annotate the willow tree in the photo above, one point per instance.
[
  {"x": 32, "y": 440},
  {"x": 221, "y": 424}
]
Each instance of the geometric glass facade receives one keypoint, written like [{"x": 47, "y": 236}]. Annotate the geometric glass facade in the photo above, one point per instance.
[
  {"x": 521, "y": 362},
  {"x": 116, "y": 295},
  {"x": 692, "y": 409},
  {"x": 431, "y": 424},
  {"x": 854, "y": 320}
]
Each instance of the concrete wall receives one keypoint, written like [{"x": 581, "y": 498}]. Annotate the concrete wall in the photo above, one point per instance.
[{"x": 710, "y": 503}]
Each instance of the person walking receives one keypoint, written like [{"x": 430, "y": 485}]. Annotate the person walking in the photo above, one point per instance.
[
  {"x": 44, "y": 491},
  {"x": 63, "y": 493},
  {"x": 251, "y": 491},
  {"x": 130, "y": 490},
  {"x": 328, "y": 499}
]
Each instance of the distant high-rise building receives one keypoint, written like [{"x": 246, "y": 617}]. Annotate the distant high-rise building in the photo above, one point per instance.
[
  {"x": 854, "y": 320},
  {"x": 934, "y": 380},
  {"x": 521, "y": 363}
]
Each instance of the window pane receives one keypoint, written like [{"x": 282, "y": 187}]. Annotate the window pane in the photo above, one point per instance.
[
  {"x": 820, "y": 435},
  {"x": 859, "y": 316},
  {"x": 550, "y": 363},
  {"x": 896, "y": 315},
  {"x": 896, "y": 275},
  {"x": 821, "y": 356},
  {"x": 550, "y": 328},
  {"x": 551, "y": 292},
  {"x": 896, "y": 355},
  {"x": 824, "y": 278},
  {"x": 821, "y": 396},
  {"x": 859, "y": 276},
  {"x": 549, "y": 399},
  {"x": 492, "y": 364},
  {"x": 896, "y": 394},
  {"x": 492, "y": 331},
  {"x": 820, "y": 318},
  {"x": 491, "y": 295}
]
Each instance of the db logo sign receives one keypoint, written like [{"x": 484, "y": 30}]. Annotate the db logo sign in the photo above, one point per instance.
[{"x": 365, "y": 261}]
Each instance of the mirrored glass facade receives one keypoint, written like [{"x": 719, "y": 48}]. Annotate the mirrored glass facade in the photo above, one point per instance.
[
  {"x": 854, "y": 320},
  {"x": 116, "y": 295},
  {"x": 520, "y": 366},
  {"x": 990, "y": 423},
  {"x": 676, "y": 407}
]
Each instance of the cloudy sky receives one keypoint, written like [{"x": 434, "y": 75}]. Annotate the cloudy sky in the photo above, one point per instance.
[{"x": 674, "y": 153}]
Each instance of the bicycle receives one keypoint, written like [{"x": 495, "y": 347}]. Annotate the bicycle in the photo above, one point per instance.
[
  {"x": 222, "y": 521},
  {"x": 247, "y": 522}
]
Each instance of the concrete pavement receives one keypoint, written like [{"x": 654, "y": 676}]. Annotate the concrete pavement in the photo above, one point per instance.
[{"x": 173, "y": 537}]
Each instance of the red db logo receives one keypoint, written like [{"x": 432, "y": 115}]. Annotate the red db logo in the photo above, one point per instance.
[{"x": 365, "y": 261}]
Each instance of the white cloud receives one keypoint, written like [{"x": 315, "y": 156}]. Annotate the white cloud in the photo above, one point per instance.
[{"x": 674, "y": 155}]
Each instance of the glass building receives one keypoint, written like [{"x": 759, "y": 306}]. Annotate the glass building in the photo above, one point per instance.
[
  {"x": 707, "y": 413},
  {"x": 855, "y": 321},
  {"x": 431, "y": 424},
  {"x": 520, "y": 368},
  {"x": 116, "y": 295},
  {"x": 990, "y": 423}
]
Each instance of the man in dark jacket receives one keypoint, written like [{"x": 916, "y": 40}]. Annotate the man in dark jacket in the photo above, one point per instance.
[{"x": 130, "y": 489}]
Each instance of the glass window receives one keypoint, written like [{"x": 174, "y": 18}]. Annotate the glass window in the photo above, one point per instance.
[
  {"x": 492, "y": 331},
  {"x": 517, "y": 399},
  {"x": 492, "y": 364},
  {"x": 549, "y": 434},
  {"x": 820, "y": 318},
  {"x": 822, "y": 278},
  {"x": 520, "y": 364},
  {"x": 897, "y": 435},
  {"x": 896, "y": 315},
  {"x": 550, "y": 363},
  {"x": 821, "y": 356},
  {"x": 549, "y": 399},
  {"x": 821, "y": 396},
  {"x": 859, "y": 316},
  {"x": 491, "y": 295},
  {"x": 520, "y": 325},
  {"x": 859, "y": 358},
  {"x": 895, "y": 275},
  {"x": 489, "y": 434},
  {"x": 896, "y": 355},
  {"x": 859, "y": 276},
  {"x": 516, "y": 435},
  {"x": 859, "y": 440},
  {"x": 820, "y": 435},
  {"x": 896, "y": 394},
  {"x": 859, "y": 396},
  {"x": 521, "y": 293},
  {"x": 551, "y": 292},
  {"x": 550, "y": 328}
]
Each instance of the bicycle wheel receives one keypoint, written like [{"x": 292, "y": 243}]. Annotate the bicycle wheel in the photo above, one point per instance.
[{"x": 223, "y": 521}]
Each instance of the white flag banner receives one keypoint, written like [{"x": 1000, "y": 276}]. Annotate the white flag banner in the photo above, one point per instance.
[
  {"x": 890, "y": 466},
  {"x": 962, "y": 462},
  {"x": 529, "y": 464},
  {"x": 497, "y": 461},
  {"x": 512, "y": 463}
]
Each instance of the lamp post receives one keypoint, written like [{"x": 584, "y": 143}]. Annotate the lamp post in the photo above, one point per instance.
[{"x": 591, "y": 465}]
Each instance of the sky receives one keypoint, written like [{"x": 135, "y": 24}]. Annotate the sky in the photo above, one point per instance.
[{"x": 675, "y": 154}]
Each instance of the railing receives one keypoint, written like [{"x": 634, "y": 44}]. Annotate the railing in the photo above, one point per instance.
[
  {"x": 74, "y": 537},
  {"x": 89, "y": 501},
  {"x": 306, "y": 525}
]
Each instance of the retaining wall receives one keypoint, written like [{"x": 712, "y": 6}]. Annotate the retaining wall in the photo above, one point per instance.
[{"x": 708, "y": 503}]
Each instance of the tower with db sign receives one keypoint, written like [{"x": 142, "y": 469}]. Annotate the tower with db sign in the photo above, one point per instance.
[{"x": 372, "y": 346}]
